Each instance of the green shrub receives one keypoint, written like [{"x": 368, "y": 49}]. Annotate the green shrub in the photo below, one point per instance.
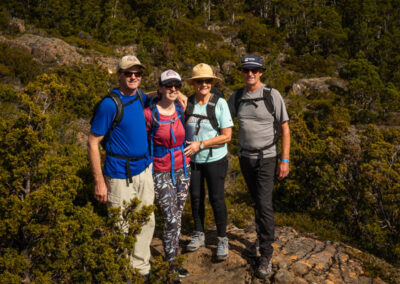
[
  {"x": 18, "y": 64},
  {"x": 45, "y": 235}
]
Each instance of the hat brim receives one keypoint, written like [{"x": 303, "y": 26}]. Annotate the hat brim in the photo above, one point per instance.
[
  {"x": 215, "y": 79},
  {"x": 170, "y": 80},
  {"x": 251, "y": 65},
  {"x": 130, "y": 66}
]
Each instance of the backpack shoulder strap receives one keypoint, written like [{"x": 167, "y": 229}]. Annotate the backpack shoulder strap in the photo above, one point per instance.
[
  {"x": 269, "y": 104},
  {"x": 117, "y": 118},
  {"x": 238, "y": 97},
  {"x": 268, "y": 101},
  {"x": 190, "y": 106},
  {"x": 120, "y": 109},
  {"x": 140, "y": 96},
  {"x": 217, "y": 91},
  {"x": 155, "y": 117},
  {"x": 181, "y": 113},
  {"x": 211, "y": 111}
]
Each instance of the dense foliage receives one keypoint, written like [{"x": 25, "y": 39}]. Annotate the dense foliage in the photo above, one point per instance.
[
  {"x": 345, "y": 142},
  {"x": 49, "y": 230}
]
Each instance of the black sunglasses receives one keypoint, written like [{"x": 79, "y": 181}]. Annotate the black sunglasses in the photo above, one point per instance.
[
  {"x": 253, "y": 70},
  {"x": 201, "y": 81},
  {"x": 136, "y": 73},
  {"x": 177, "y": 85}
]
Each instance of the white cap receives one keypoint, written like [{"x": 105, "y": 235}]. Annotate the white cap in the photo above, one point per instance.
[{"x": 169, "y": 76}]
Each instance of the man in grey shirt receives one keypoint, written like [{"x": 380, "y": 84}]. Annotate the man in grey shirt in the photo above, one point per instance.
[{"x": 262, "y": 117}]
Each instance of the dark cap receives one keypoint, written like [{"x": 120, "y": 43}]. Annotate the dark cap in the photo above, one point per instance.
[{"x": 251, "y": 61}]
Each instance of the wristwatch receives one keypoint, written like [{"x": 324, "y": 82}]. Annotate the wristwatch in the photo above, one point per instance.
[{"x": 201, "y": 145}]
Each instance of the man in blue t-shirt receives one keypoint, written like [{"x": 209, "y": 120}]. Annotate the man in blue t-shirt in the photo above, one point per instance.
[{"x": 128, "y": 165}]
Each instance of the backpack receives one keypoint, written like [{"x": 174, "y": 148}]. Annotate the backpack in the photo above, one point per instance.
[
  {"x": 160, "y": 151},
  {"x": 117, "y": 119},
  {"x": 119, "y": 114},
  {"x": 267, "y": 98},
  {"x": 216, "y": 94}
]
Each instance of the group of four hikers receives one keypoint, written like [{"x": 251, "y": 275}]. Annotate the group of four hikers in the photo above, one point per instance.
[{"x": 168, "y": 145}]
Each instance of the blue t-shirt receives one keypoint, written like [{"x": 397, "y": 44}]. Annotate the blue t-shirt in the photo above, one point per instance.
[
  {"x": 129, "y": 137},
  {"x": 206, "y": 131}
]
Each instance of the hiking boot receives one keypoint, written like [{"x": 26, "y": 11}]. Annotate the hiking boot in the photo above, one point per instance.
[
  {"x": 264, "y": 267},
  {"x": 197, "y": 241},
  {"x": 177, "y": 272},
  {"x": 222, "y": 248},
  {"x": 253, "y": 250},
  {"x": 182, "y": 272}
]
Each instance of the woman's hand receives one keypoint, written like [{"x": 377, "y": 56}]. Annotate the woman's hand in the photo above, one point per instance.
[{"x": 192, "y": 148}]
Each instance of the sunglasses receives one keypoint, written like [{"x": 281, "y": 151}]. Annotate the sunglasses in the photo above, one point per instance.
[
  {"x": 202, "y": 81},
  {"x": 136, "y": 73},
  {"x": 253, "y": 70},
  {"x": 177, "y": 85}
]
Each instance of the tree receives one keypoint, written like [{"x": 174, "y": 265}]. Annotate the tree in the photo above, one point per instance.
[{"x": 365, "y": 85}]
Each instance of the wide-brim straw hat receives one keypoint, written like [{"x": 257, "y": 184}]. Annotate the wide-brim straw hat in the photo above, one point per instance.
[{"x": 203, "y": 71}]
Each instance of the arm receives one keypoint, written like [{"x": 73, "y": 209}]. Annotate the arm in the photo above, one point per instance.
[
  {"x": 194, "y": 146},
  {"x": 183, "y": 100},
  {"x": 283, "y": 167},
  {"x": 151, "y": 94},
  {"x": 100, "y": 188}
]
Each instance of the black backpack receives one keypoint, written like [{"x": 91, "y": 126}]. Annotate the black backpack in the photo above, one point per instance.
[
  {"x": 120, "y": 112},
  {"x": 216, "y": 94},
  {"x": 267, "y": 98}
]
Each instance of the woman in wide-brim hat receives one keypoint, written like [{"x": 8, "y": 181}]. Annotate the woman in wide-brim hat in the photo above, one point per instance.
[{"x": 208, "y": 129}]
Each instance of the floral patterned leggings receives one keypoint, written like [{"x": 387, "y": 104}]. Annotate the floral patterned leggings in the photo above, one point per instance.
[{"x": 171, "y": 198}]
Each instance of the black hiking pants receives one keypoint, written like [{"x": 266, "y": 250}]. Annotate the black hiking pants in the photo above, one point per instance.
[
  {"x": 214, "y": 173},
  {"x": 259, "y": 175}
]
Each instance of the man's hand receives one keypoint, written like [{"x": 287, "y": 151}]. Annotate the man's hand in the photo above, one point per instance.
[
  {"x": 282, "y": 170},
  {"x": 283, "y": 167},
  {"x": 100, "y": 192}
]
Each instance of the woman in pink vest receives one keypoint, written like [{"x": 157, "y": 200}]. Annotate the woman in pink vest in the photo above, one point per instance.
[{"x": 166, "y": 132}]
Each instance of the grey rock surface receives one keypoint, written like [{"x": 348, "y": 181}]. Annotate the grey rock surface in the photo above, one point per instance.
[{"x": 297, "y": 258}]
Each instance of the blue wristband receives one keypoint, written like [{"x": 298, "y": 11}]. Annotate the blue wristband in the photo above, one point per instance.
[{"x": 285, "y": 160}]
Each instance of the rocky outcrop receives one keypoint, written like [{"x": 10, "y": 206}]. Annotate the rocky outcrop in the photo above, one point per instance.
[
  {"x": 323, "y": 85},
  {"x": 297, "y": 258},
  {"x": 55, "y": 52},
  {"x": 228, "y": 66},
  {"x": 17, "y": 24},
  {"x": 47, "y": 50}
]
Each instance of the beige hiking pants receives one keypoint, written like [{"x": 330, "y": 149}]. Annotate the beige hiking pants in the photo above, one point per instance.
[{"x": 142, "y": 188}]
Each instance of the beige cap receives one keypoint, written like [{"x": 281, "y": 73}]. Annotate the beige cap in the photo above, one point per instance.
[
  {"x": 129, "y": 61},
  {"x": 202, "y": 71}
]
